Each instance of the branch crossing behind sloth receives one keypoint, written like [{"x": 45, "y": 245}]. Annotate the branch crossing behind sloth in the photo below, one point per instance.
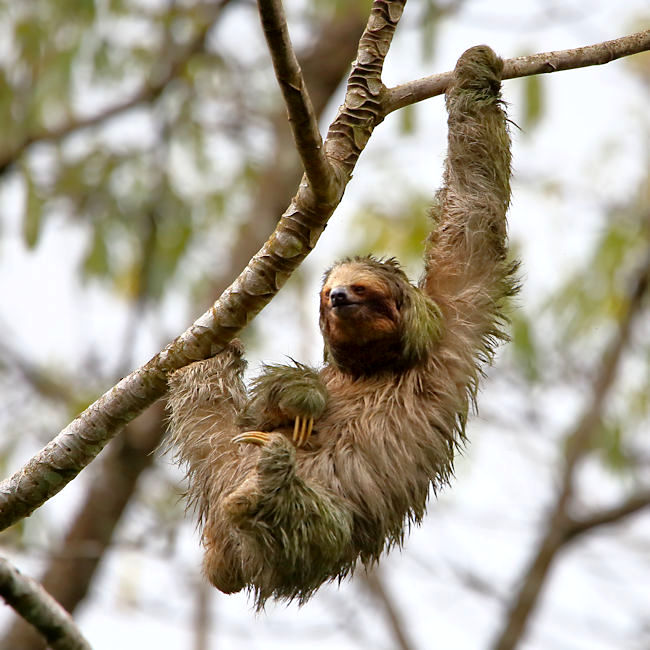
[{"x": 314, "y": 470}]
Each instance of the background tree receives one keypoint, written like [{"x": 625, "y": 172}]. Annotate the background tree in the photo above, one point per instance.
[{"x": 146, "y": 157}]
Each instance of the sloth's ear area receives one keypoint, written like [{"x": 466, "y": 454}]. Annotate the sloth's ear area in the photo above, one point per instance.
[{"x": 421, "y": 325}]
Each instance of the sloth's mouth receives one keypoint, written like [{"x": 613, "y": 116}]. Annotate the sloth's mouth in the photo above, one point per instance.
[{"x": 344, "y": 307}]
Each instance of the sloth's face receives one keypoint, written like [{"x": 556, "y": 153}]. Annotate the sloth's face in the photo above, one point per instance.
[{"x": 358, "y": 308}]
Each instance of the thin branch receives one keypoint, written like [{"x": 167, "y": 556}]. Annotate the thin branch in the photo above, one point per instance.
[
  {"x": 325, "y": 64},
  {"x": 148, "y": 92},
  {"x": 474, "y": 581},
  {"x": 302, "y": 116},
  {"x": 37, "y": 607},
  {"x": 296, "y": 234},
  {"x": 558, "y": 528},
  {"x": 58, "y": 390},
  {"x": 614, "y": 515},
  {"x": 376, "y": 586},
  {"x": 524, "y": 66}
]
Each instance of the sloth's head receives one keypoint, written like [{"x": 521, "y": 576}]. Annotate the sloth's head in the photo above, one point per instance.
[{"x": 373, "y": 319}]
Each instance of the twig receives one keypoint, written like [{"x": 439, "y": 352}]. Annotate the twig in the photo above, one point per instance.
[
  {"x": 559, "y": 527},
  {"x": 376, "y": 586},
  {"x": 72, "y": 449},
  {"x": 614, "y": 515},
  {"x": 37, "y": 607},
  {"x": 58, "y": 390},
  {"x": 523, "y": 66},
  {"x": 302, "y": 116},
  {"x": 325, "y": 63}
]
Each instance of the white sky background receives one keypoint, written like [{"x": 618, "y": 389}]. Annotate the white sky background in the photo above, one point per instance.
[{"x": 480, "y": 526}]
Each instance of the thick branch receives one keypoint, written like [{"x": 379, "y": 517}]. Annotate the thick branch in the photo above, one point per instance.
[
  {"x": 302, "y": 116},
  {"x": 524, "y": 66},
  {"x": 73, "y": 561},
  {"x": 37, "y": 607},
  {"x": 295, "y": 236}
]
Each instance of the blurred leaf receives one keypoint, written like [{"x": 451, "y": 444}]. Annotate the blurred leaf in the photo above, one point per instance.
[
  {"x": 33, "y": 217},
  {"x": 400, "y": 233},
  {"x": 533, "y": 101},
  {"x": 523, "y": 345},
  {"x": 596, "y": 294},
  {"x": 6, "y": 97},
  {"x": 30, "y": 36},
  {"x": 173, "y": 234},
  {"x": 101, "y": 58},
  {"x": 609, "y": 443},
  {"x": 431, "y": 14},
  {"x": 96, "y": 260},
  {"x": 128, "y": 281},
  {"x": 407, "y": 120},
  {"x": 83, "y": 11},
  {"x": 69, "y": 181},
  {"x": 117, "y": 6}
]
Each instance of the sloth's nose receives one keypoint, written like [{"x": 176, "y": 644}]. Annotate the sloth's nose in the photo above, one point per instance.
[{"x": 339, "y": 296}]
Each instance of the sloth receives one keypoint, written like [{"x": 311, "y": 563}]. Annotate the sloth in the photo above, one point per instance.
[{"x": 312, "y": 471}]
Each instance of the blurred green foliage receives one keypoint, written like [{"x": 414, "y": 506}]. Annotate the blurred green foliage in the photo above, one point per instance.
[
  {"x": 124, "y": 189},
  {"x": 596, "y": 294},
  {"x": 392, "y": 231},
  {"x": 533, "y": 109}
]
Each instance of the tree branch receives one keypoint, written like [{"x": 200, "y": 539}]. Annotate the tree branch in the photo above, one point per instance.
[
  {"x": 325, "y": 63},
  {"x": 376, "y": 586},
  {"x": 302, "y": 116},
  {"x": 296, "y": 234},
  {"x": 614, "y": 515},
  {"x": 524, "y": 66},
  {"x": 58, "y": 390},
  {"x": 37, "y": 607},
  {"x": 72, "y": 566},
  {"x": 148, "y": 92}
]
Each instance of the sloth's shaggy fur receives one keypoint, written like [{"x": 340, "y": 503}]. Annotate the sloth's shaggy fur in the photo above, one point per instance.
[{"x": 402, "y": 365}]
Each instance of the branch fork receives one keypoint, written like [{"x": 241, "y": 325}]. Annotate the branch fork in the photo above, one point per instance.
[{"x": 328, "y": 168}]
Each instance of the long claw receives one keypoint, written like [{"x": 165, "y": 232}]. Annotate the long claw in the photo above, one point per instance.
[
  {"x": 252, "y": 437},
  {"x": 302, "y": 429}
]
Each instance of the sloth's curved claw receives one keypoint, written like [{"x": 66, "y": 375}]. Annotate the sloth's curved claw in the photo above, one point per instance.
[
  {"x": 252, "y": 437},
  {"x": 302, "y": 429}
]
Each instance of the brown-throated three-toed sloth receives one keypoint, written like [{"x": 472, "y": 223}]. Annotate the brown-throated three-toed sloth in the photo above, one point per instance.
[{"x": 343, "y": 457}]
